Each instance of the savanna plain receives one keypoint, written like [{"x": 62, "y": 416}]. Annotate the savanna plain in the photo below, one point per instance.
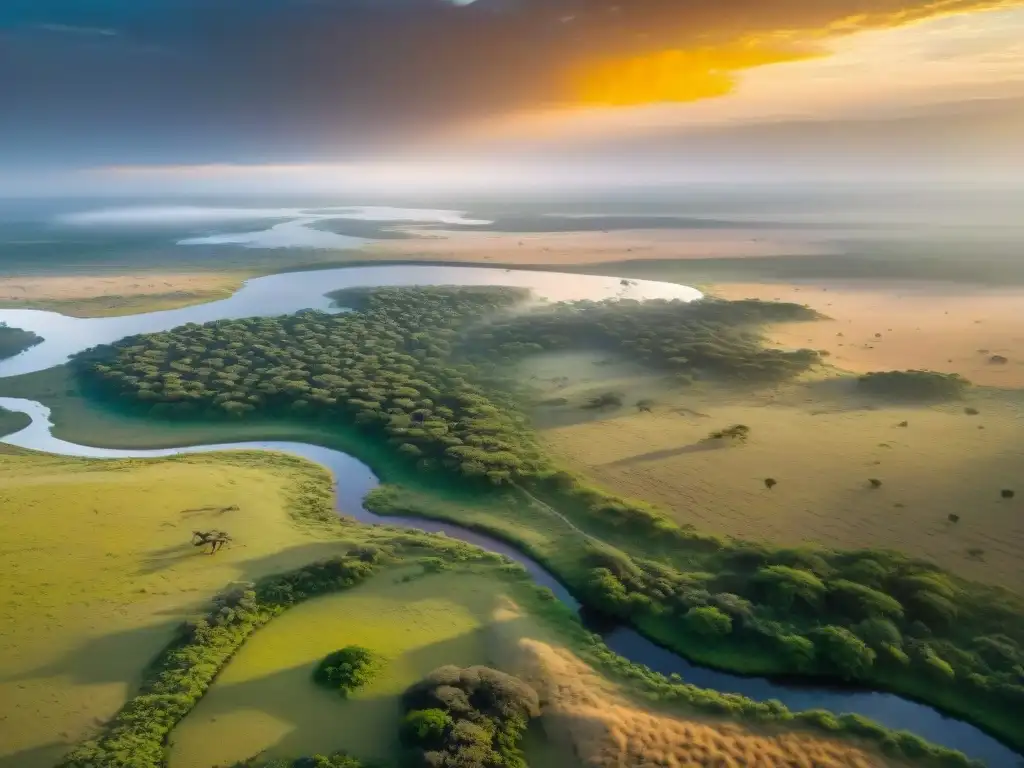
[{"x": 731, "y": 477}]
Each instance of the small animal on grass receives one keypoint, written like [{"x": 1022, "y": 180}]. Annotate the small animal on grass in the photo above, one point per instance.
[
  {"x": 216, "y": 539},
  {"x": 1006, "y": 493},
  {"x": 875, "y": 482},
  {"x": 953, "y": 518},
  {"x": 770, "y": 482}
]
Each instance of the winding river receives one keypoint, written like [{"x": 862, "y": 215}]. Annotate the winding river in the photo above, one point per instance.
[{"x": 290, "y": 292}]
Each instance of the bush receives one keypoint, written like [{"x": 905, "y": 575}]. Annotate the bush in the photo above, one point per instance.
[
  {"x": 425, "y": 728},
  {"x": 348, "y": 669}
]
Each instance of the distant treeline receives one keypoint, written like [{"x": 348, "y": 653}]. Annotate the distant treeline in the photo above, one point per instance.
[{"x": 718, "y": 338}]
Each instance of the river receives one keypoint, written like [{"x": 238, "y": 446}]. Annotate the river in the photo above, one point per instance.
[{"x": 290, "y": 292}]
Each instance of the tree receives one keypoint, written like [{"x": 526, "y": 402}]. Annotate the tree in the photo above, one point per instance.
[
  {"x": 350, "y": 668},
  {"x": 425, "y": 728},
  {"x": 847, "y": 652},
  {"x": 785, "y": 585},
  {"x": 708, "y": 621},
  {"x": 859, "y": 601}
]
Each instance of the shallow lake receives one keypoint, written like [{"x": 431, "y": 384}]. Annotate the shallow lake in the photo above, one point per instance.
[{"x": 286, "y": 293}]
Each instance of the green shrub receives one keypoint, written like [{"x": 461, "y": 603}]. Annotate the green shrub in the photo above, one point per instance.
[{"x": 348, "y": 669}]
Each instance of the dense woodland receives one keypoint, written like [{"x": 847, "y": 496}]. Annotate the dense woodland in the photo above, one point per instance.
[
  {"x": 703, "y": 338},
  {"x": 14, "y": 340},
  {"x": 389, "y": 367},
  {"x": 416, "y": 367}
]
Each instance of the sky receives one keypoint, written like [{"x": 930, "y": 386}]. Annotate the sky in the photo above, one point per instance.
[{"x": 133, "y": 94}]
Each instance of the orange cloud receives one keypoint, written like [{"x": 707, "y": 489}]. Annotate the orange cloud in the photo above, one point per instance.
[
  {"x": 693, "y": 73},
  {"x": 678, "y": 75}
]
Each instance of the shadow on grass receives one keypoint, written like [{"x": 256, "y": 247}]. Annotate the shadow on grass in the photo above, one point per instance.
[
  {"x": 46, "y": 755},
  {"x": 117, "y": 657},
  {"x": 668, "y": 453}
]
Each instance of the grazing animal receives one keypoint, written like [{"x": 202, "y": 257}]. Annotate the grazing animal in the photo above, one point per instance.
[
  {"x": 770, "y": 482},
  {"x": 875, "y": 482},
  {"x": 1006, "y": 493},
  {"x": 216, "y": 539},
  {"x": 953, "y": 518}
]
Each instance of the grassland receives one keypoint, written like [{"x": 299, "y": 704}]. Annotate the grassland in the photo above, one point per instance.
[
  {"x": 821, "y": 441},
  {"x": 265, "y": 701},
  {"x": 98, "y": 573}
]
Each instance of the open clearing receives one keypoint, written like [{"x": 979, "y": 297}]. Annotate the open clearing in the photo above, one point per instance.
[
  {"x": 98, "y": 572},
  {"x": 266, "y": 699},
  {"x": 821, "y": 443},
  {"x": 939, "y": 327}
]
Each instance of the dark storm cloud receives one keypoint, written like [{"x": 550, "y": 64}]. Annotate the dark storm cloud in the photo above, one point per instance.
[{"x": 111, "y": 81}]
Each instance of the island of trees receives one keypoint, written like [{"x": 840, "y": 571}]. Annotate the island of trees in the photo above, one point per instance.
[{"x": 346, "y": 670}]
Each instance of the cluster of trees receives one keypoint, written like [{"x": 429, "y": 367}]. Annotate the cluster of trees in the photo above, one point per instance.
[
  {"x": 388, "y": 367},
  {"x": 715, "y": 337},
  {"x": 850, "y": 615},
  {"x": 468, "y": 718},
  {"x": 136, "y": 737},
  {"x": 348, "y": 669},
  {"x": 15, "y": 340},
  {"x": 914, "y": 385}
]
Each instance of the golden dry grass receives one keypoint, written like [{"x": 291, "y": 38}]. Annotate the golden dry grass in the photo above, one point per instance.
[
  {"x": 592, "y": 719},
  {"x": 940, "y": 327},
  {"x": 579, "y": 248},
  {"x": 822, "y": 444},
  {"x": 105, "y": 295},
  {"x": 98, "y": 572}
]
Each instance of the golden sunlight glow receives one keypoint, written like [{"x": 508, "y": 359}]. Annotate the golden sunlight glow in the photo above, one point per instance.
[
  {"x": 850, "y": 73},
  {"x": 713, "y": 70},
  {"x": 678, "y": 75}
]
